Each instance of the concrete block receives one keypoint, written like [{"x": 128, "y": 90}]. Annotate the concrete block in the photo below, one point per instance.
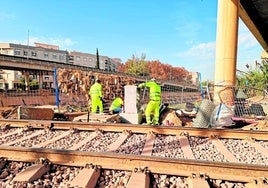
[
  {"x": 35, "y": 113},
  {"x": 130, "y": 99},
  {"x": 133, "y": 118}
]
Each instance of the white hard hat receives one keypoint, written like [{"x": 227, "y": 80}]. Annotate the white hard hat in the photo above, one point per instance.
[{"x": 152, "y": 79}]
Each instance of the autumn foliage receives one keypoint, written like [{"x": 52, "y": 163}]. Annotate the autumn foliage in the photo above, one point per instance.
[{"x": 156, "y": 69}]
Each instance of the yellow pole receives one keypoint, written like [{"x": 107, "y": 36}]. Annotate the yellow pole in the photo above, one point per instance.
[{"x": 226, "y": 45}]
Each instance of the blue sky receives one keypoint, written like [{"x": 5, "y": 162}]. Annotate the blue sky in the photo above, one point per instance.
[{"x": 181, "y": 33}]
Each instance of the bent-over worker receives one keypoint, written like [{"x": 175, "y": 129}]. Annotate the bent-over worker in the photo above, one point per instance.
[
  {"x": 155, "y": 100},
  {"x": 117, "y": 105}
]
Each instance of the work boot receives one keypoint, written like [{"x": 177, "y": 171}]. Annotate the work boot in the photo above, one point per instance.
[{"x": 155, "y": 123}]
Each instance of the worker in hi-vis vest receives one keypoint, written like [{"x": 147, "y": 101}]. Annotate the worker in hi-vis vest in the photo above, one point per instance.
[
  {"x": 117, "y": 105},
  {"x": 155, "y": 100},
  {"x": 95, "y": 93}
]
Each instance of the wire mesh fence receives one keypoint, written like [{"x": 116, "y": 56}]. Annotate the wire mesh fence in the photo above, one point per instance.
[
  {"x": 173, "y": 94},
  {"x": 248, "y": 102},
  {"x": 38, "y": 97},
  {"x": 77, "y": 98}
]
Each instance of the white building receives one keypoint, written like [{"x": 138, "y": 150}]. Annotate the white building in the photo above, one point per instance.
[{"x": 10, "y": 79}]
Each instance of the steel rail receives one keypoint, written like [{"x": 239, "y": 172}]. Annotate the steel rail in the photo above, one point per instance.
[
  {"x": 137, "y": 128},
  {"x": 109, "y": 160}
]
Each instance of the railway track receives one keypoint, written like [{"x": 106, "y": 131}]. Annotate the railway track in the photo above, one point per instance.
[{"x": 204, "y": 157}]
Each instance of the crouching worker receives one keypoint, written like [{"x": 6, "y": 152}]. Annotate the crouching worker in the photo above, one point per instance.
[
  {"x": 155, "y": 100},
  {"x": 117, "y": 105}
]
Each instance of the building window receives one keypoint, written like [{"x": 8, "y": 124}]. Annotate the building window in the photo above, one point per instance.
[
  {"x": 34, "y": 54},
  {"x": 46, "y": 55},
  {"x": 54, "y": 56},
  {"x": 16, "y": 52},
  {"x": 17, "y": 76},
  {"x": 25, "y": 53},
  {"x": 34, "y": 77},
  {"x": 77, "y": 58},
  {"x": 61, "y": 57},
  {"x": 71, "y": 57},
  {"x": 85, "y": 59}
]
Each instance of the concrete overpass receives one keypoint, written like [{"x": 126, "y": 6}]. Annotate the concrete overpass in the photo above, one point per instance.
[
  {"x": 27, "y": 64},
  {"x": 30, "y": 66},
  {"x": 254, "y": 13}
]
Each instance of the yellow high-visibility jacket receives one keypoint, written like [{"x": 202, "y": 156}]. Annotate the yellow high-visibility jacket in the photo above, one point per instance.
[
  {"x": 154, "y": 88},
  {"x": 95, "y": 91},
  {"x": 117, "y": 103}
]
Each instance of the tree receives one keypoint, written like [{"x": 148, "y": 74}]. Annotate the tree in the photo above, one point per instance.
[
  {"x": 34, "y": 84},
  {"x": 98, "y": 60},
  {"x": 255, "y": 76},
  {"x": 167, "y": 72},
  {"x": 137, "y": 66},
  {"x": 264, "y": 70},
  {"x": 121, "y": 67},
  {"x": 154, "y": 69}
]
